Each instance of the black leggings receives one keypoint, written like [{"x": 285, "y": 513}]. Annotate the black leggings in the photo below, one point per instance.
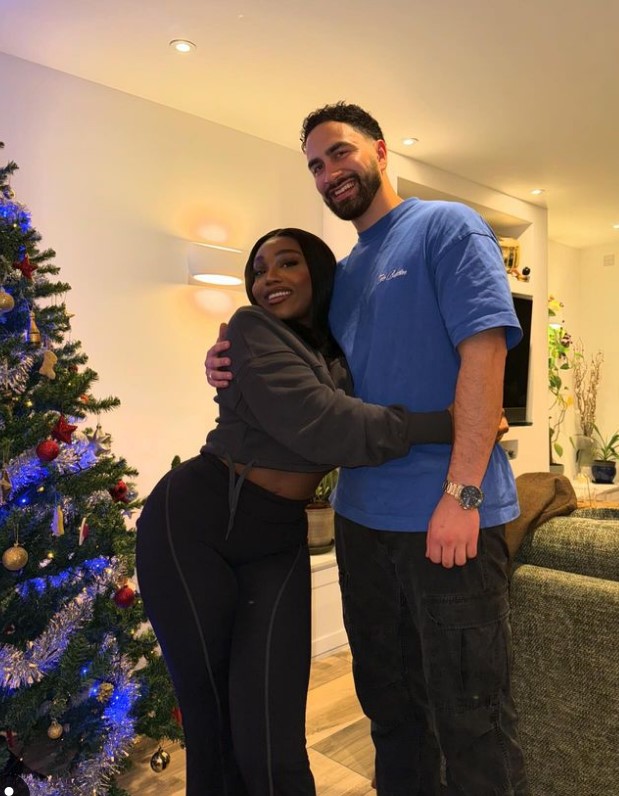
[{"x": 232, "y": 617}]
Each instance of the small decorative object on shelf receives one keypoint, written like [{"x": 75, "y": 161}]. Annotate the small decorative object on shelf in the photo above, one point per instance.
[{"x": 510, "y": 249}]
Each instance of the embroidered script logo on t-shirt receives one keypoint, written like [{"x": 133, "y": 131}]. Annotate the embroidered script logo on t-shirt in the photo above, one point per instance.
[{"x": 394, "y": 274}]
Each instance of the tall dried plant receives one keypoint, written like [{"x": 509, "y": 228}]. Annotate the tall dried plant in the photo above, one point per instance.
[{"x": 586, "y": 379}]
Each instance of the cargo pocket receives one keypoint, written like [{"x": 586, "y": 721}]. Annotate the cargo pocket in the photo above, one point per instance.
[{"x": 467, "y": 648}]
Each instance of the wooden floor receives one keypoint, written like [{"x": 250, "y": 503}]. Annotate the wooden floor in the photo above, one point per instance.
[{"x": 338, "y": 740}]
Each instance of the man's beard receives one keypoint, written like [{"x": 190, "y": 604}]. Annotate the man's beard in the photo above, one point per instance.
[{"x": 356, "y": 206}]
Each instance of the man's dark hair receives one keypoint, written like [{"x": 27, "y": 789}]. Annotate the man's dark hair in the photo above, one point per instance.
[
  {"x": 344, "y": 112},
  {"x": 321, "y": 263}
]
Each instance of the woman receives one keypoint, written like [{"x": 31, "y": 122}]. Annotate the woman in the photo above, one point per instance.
[{"x": 222, "y": 553}]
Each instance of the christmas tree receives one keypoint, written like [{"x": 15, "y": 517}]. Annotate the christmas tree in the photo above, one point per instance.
[{"x": 80, "y": 677}]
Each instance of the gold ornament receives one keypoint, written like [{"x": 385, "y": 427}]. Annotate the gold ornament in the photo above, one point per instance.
[
  {"x": 104, "y": 692},
  {"x": 47, "y": 368},
  {"x": 33, "y": 335},
  {"x": 159, "y": 761},
  {"x": 54, "y": 731},
  {"x": 15, "y": 558},
  {"x": 7, "y": 302}
]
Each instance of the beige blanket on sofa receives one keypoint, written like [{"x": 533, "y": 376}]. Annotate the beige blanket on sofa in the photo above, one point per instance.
[{"x": 541, "y": 496}]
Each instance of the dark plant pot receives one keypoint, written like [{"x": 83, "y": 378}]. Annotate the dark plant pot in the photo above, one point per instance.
[{"x": 603, "y": 472}]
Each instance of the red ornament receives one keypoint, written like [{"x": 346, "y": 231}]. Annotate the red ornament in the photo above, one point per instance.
[
  {"x": 47, "y": 450},
  {"x": 62, "y": 430},
  {"x": 119, "y": 492},
  {"x": 124, "y": 597},
  {"x": 177, "y": 716},
  {"x": 26, "y": 267}
]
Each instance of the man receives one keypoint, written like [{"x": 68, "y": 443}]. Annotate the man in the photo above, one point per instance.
[{"x": 423, "y": 312}]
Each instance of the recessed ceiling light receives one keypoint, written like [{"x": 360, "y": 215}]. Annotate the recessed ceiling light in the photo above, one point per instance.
[
  {"x": 537, "y": 191},
  {"x": 410, "y": 141},
  {"x": 182, "y": 45},
  {"x": 615, "y": 226}
]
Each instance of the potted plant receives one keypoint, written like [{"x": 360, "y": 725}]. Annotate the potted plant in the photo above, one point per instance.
[
  {"x": 321, "y": 531},
  {"x": 604, "y": 466},
  {"x": 586, "y": 383},
  {"x": 559, "y": 342}
]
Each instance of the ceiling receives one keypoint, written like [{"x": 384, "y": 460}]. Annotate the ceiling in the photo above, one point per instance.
[{"x": 512, "y": 95}]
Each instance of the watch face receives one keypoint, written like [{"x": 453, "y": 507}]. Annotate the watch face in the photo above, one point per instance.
[{"x": 471, "y": 497}]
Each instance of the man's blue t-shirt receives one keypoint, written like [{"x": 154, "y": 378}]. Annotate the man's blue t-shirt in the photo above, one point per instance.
[{"x": 420, "y": 281}]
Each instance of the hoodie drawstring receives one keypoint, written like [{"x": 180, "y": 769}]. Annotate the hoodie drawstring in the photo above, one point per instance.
[{"x": 234, "y": 489}]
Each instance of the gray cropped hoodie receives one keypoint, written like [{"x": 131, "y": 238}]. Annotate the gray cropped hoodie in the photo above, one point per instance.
[{"x": 287, "y": 409}]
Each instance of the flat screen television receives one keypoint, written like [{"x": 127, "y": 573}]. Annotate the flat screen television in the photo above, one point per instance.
[{"x": 516, "y": 381}]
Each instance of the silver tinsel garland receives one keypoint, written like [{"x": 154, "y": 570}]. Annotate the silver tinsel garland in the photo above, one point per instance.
[
  {"x": 19, "y": 668},
  {"x": 87, "y": 572},
  {"x": 92, "y": 776},
  {"x": 15, "y": 379},
  {"x": 26, "y": 469}
]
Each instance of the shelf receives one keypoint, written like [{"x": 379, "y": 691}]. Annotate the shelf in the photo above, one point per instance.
[
  {"x": 323, "y": 561},
  {"x": 503, "y": 224}
]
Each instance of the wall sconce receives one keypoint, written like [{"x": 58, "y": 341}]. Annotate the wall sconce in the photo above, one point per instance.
[{"x": 215, "y": 265}]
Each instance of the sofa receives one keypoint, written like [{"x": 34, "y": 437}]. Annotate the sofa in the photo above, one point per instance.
[{"x": 565, "y": 623}]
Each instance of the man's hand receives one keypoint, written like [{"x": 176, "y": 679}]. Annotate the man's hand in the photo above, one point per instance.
[
  {"x": 452, "y": 533},
  {"x": 214, "y": 361}
]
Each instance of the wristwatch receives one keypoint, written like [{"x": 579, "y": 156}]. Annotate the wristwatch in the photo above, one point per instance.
[{"x": 469, "y": 497}]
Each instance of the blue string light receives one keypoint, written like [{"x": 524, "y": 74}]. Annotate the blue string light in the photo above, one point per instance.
[{"x": 14, "y": 214}]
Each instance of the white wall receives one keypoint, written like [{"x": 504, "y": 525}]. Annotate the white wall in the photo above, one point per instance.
[
  {"x": 589, "y": 289},
  {"x": 599, "y": 290},
  {"x": 117, "y": 186}
]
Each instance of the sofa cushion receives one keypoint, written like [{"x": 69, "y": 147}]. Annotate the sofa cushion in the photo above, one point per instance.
[
  {"x": 575, "y": 544},
  {"x": 565, "y": 676},
  {"x": 598, "y": 513}
]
